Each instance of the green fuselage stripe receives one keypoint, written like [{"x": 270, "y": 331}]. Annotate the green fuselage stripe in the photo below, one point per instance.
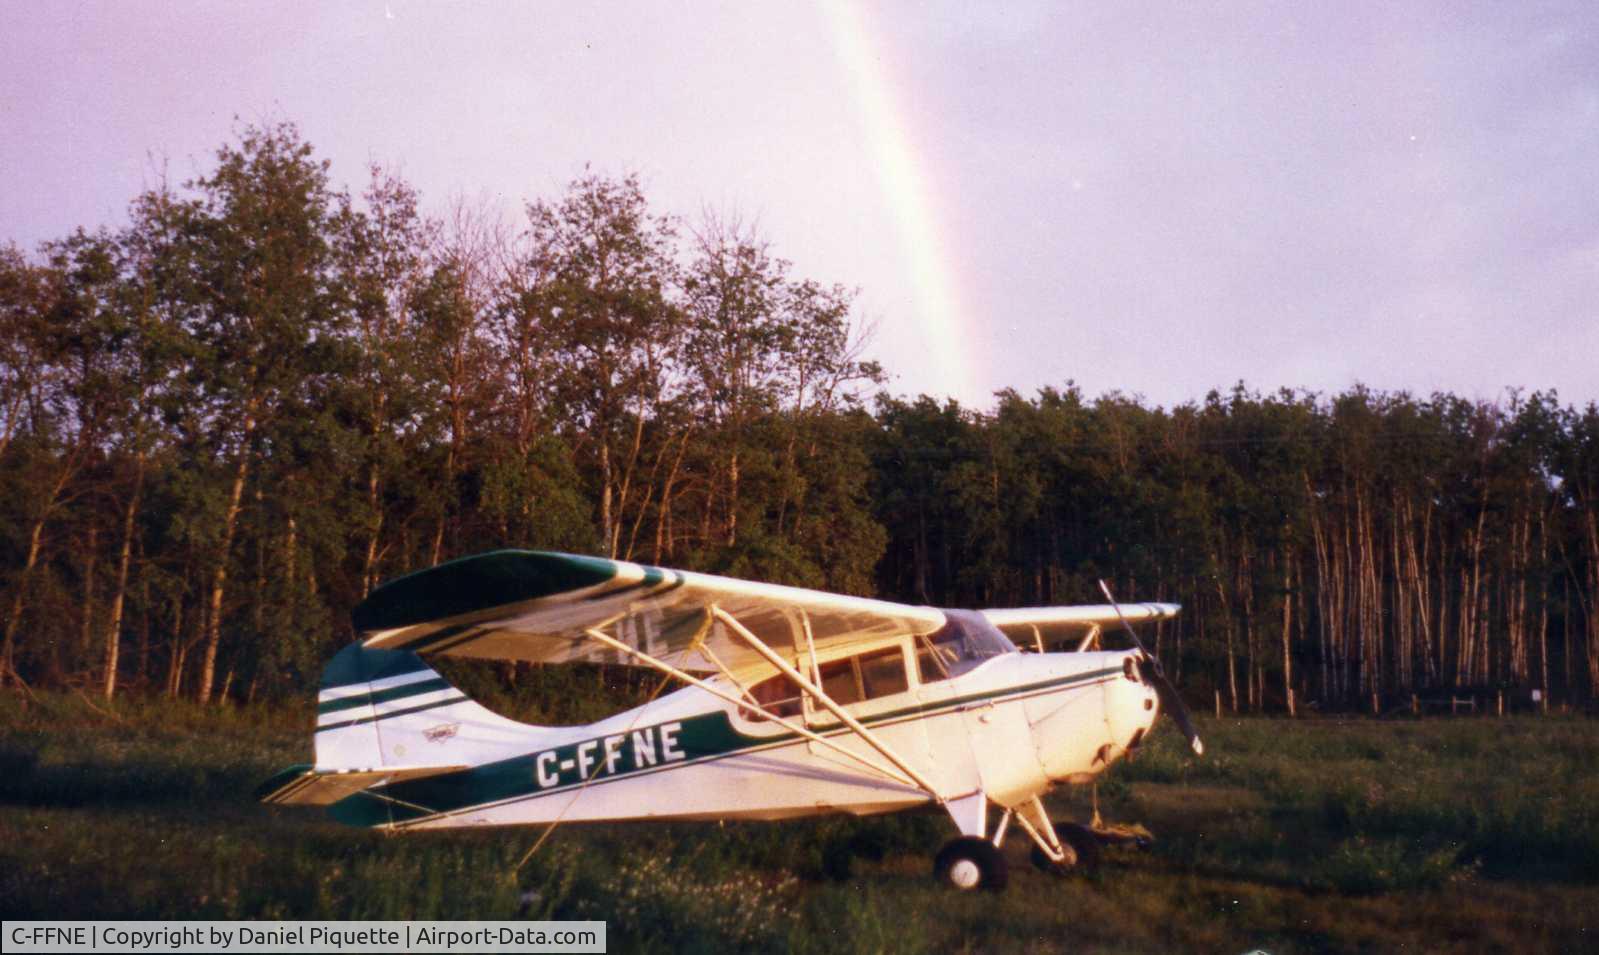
[{"x": 921, "y": 708}]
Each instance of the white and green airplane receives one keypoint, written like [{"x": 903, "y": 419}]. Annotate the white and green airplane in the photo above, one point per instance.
[{"x": 796, "y": 702}]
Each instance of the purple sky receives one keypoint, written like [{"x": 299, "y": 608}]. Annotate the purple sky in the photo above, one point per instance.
[{"x": 1160, "y": 202}]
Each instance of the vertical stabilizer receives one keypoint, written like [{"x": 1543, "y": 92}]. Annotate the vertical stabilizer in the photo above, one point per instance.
[{"x": 384, "y": 709}]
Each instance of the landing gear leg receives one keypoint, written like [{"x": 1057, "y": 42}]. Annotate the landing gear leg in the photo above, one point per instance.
[
  {"x": 1058, "y": 848},
  {"x": 1082, "y": 851},
  {"x": 972, "y": 861}
]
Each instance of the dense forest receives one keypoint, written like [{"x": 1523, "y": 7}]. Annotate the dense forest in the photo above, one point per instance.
[{"x": 227, "y": 419}]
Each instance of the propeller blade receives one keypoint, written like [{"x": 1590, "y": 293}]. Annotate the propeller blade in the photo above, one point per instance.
[
  {"x": 1173, "y": 704},
  {"x": 1125, "y": 625},
  {"x": 1152, "y": 672}
]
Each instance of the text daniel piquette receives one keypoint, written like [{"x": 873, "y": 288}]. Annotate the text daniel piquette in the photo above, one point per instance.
[{"x": 298, "y": 935}]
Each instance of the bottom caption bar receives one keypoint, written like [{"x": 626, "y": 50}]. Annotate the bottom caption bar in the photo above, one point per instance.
[{"x": 275, "y": 936}]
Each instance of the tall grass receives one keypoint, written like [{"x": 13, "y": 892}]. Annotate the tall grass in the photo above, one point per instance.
[
  {"x": 1288, "y": 836},
  {"x": 1365, "y": 805}
]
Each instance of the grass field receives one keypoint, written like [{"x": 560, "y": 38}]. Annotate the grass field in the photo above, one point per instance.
[{"x": 1318, "y": 835}]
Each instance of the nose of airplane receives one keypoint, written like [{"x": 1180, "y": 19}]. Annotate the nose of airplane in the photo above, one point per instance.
[{"x": 1131, "y": 705}]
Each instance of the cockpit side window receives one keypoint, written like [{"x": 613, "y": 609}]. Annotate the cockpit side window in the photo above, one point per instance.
[
  {"x": 865, "y": 677},
  {"x": 841, "y": 682},
  {"x": 883, "y": 673},
  {"x": 934, "y": 661},
  {"x": 965, "y": 640},
  {"x": 850, "y": 680}
]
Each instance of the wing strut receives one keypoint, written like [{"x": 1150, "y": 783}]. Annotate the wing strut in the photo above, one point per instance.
[
  {"x": 908, "y": 779},
  {"x": 810, "y": 645},
  {"x": 820, "y": 696},
  {"x": 1091, "y": 639}
]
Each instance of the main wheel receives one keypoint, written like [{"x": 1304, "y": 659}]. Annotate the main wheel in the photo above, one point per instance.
[
  {"x": 971, "y": 863},
  {"x": 1083, "y": 846}
]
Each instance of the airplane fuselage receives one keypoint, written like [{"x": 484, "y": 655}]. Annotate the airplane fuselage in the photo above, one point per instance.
[{"x": 1010, "y": 727}]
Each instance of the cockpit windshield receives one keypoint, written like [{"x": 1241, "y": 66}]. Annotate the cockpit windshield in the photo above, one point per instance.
[{"x": 965, "y": 640}]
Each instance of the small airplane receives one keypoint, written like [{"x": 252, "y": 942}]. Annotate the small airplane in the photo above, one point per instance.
[{"x": 796, "y": 703}]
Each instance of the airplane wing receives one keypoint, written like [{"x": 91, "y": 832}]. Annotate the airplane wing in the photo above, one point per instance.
[
  {"x": 535, "y": 606},
  {"x": 1057, "y": 625}
]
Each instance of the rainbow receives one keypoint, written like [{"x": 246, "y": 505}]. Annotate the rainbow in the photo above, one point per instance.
[{"x": 908, "y": 192}]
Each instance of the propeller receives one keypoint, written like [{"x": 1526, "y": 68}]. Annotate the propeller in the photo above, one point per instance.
[{"x": 1150, "y": 669}]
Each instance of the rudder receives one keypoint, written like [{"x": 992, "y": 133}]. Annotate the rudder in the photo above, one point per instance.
[{"x": 381, "y": 709}]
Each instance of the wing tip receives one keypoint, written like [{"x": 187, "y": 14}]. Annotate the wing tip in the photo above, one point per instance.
[{"x": 478, "y": 582}]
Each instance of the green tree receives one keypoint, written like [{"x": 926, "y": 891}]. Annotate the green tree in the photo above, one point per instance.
[
  {"x": 604, "y": 305},
  {"x": 256, "y": 293}
]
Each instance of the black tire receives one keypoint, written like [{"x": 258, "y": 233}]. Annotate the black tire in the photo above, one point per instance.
[
  {"x": 1083, "y": 842},
  {"x": 956, "y": 861}
]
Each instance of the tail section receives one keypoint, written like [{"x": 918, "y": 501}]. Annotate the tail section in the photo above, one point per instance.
[
  {"x": 384, "y": 716},
  {"x": 386, "y": 708}
]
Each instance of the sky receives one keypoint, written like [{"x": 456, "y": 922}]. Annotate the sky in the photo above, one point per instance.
[{"x": 1155, "y": 199}]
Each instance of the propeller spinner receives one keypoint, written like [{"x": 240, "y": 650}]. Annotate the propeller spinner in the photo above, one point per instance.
[{"x": 1150, "y": 670}]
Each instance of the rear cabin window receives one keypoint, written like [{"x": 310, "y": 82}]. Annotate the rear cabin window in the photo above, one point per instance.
[
  {"x": 840, "y": 682},
  {"x": 778, "y": 695}
]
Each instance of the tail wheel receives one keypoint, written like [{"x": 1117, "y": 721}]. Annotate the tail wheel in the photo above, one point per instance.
[
  {"x": 1083, "y": 846},
  {"x": 971, "y": 863}
]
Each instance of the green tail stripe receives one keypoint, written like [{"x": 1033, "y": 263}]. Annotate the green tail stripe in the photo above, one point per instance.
[
  {"x": 458, "y": 698},
  {"x": 383, "y": 696},
  {"x": 356, "y": 664}
]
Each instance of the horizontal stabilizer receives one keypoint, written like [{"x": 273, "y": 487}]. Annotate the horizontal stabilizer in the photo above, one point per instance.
[{"x": 304, "y": 785}]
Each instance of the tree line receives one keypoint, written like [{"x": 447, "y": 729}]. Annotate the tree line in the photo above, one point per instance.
[
  {"x": 1337, "y": 550},
  {"x": 225, "y": 421}
]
